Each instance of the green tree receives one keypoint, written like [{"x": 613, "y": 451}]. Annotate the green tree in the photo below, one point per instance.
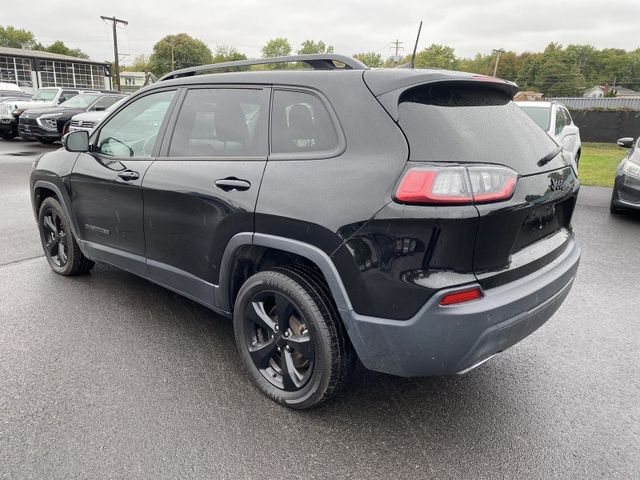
[
  {"x": 16, "y": 38},
  {"x": 276, "y": 47},
  {"x": 139, "y": 64},
  {"x": 370, "y": 59},
  {"x": 439, "y": 56},
  {"x": 310, "y": 46},
  {"x": 60, "y": 48},
  {"x": 226, "y": 53},
  {"x": 178, "y": 51}
]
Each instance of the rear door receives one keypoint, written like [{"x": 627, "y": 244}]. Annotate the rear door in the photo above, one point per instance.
[
  {"x": 106, "y": 196},
  {"x": 203, "y": 188}
]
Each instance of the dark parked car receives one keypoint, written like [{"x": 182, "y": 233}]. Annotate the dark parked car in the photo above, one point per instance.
[
  {"x": 415, "y": 219},
  {"x": 49, "y": 124},
  {"x": 626, "y": 189}
]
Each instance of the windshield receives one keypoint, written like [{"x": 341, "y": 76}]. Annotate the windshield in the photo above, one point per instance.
[
  {"x": 79, "y": 101},
  {"x": 540, "y": 115},
  {"x": 45, "y": 95},
  {"x": 446, "y": 123}
]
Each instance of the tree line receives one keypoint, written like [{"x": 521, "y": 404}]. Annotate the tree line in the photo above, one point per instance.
[
  {"x": 19, "y": 38},
  {"x": 556, "y": 71}
]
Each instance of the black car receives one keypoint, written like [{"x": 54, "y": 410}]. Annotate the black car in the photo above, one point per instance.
[
  {"x": 49, "y": 124},
  {"x": 626, "y": 189},
  {"x": 415, "y": 219}
]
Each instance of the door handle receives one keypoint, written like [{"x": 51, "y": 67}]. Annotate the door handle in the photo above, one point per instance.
[
  {"x": 129, "y": 175},
  {"x": 232, "y": 183}
]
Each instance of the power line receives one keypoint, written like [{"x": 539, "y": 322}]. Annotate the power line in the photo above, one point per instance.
[{"x": 114, "y": 22}]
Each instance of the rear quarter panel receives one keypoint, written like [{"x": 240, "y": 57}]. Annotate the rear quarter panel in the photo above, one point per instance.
[{"x": 325, "y": 201}]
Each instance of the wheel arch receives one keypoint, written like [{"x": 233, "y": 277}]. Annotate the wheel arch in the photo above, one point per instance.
[
  {"x": 248, "y": 253},
  {"x": 43, "y": 189}
]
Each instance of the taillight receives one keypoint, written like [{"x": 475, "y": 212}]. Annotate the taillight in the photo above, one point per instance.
[{"x": 456, "y": 185}]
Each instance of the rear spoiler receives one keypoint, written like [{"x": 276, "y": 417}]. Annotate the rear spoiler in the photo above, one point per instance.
[{"x": 389, "y": 98}]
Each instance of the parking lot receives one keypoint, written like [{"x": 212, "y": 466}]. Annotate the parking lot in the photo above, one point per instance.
[{"x": 110, "y": 376}]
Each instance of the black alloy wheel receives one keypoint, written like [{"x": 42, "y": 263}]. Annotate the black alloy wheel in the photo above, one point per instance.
[
  {"x": 290, "y": 336},
  {"x": 59, "y": 245},
  {"x": 278, "y": 340},
  {"x": 56, "y": 240}
]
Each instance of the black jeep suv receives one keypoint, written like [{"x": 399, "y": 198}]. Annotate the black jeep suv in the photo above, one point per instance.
[{"x": 416, "y": 220}]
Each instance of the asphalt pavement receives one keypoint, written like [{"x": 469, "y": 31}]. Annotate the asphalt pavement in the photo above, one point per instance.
[{"x": 110, "y": 376}]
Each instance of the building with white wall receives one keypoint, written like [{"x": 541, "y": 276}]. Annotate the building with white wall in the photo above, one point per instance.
[{"x": 32, "y": 69}]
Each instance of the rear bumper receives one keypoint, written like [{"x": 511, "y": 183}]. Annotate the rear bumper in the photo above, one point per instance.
[{"x": 444, "y": 340}]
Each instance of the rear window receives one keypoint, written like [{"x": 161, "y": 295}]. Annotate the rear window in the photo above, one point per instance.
[{"x": 450, "y": 123}]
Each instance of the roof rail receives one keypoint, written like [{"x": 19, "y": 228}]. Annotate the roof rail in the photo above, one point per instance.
[{"x": 317, "y": 61}]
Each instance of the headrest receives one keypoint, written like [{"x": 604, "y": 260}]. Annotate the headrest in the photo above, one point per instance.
[{"x": 230, "y": 122}]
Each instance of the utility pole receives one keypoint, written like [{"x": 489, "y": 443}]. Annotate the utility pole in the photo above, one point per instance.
[
  {"x": 397, "y": 46},
  {"x": 173, "y": 60},
  {"x": 499, "y": 51},
  {"x": 114, "y": 21}
]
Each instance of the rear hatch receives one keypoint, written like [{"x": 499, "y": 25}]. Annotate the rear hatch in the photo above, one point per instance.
[{"x": 471, "y": 124}]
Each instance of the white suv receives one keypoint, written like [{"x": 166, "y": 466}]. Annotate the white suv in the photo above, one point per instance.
[{"x": 555, "y": 119}]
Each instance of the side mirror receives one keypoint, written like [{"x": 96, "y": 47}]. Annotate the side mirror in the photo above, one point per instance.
[
  {"x": 625, "y": 142},
  {"x": 99, "y": 109},
  {"x": 77, "y": 141}
]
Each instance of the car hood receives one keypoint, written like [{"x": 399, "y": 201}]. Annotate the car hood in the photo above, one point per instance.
[
  {"x": 65, "y": 112},
  {"x": 29, "y": 104},
  {"x": 91, "y": 116}
]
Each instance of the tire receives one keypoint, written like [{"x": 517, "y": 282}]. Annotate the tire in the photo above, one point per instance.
[
  {"x": 614, "y": 209},
  {"x": 7, "y": 135},
  {"x": 577, "y": 159},
  {"x": 319, "y": 367},
  {"x": 60, "y": 247}
]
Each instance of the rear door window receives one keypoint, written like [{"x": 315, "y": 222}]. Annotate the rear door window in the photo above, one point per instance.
[
  {"x": 221, "y": 122},
  {"x": 301, "y": 123},
  {"x": 471, "y": 124}
]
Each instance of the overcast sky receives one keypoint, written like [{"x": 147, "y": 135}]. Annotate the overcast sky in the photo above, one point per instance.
[{"x": 470, "y": 26}]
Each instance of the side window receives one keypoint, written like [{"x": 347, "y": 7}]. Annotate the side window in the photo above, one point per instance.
[
  {"x": 300, "y": 122},
  {"x": 560, "y": 120},
  {"x": 104, "y": 103},
  {"x": 132, "y": 131},
  {"x": 567, "y": 116},
  {"x": 221, "y": 122},
  {"x": 66, "y": 95}
]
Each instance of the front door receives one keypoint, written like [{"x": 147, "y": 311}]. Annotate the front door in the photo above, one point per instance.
[
  {"x": 203, "y": 188},
  {"x": 106, "y": 195}
]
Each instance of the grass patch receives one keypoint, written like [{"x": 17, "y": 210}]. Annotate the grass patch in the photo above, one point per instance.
[{"x": 598, "y": 163}]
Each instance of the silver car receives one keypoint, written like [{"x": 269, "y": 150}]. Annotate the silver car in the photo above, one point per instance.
[
  {"x": 87, "y": 121},
  {"x": 555, "y": 119}
]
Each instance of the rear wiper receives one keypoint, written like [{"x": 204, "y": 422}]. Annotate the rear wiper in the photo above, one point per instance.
[{"x": 547, "y": 158}]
